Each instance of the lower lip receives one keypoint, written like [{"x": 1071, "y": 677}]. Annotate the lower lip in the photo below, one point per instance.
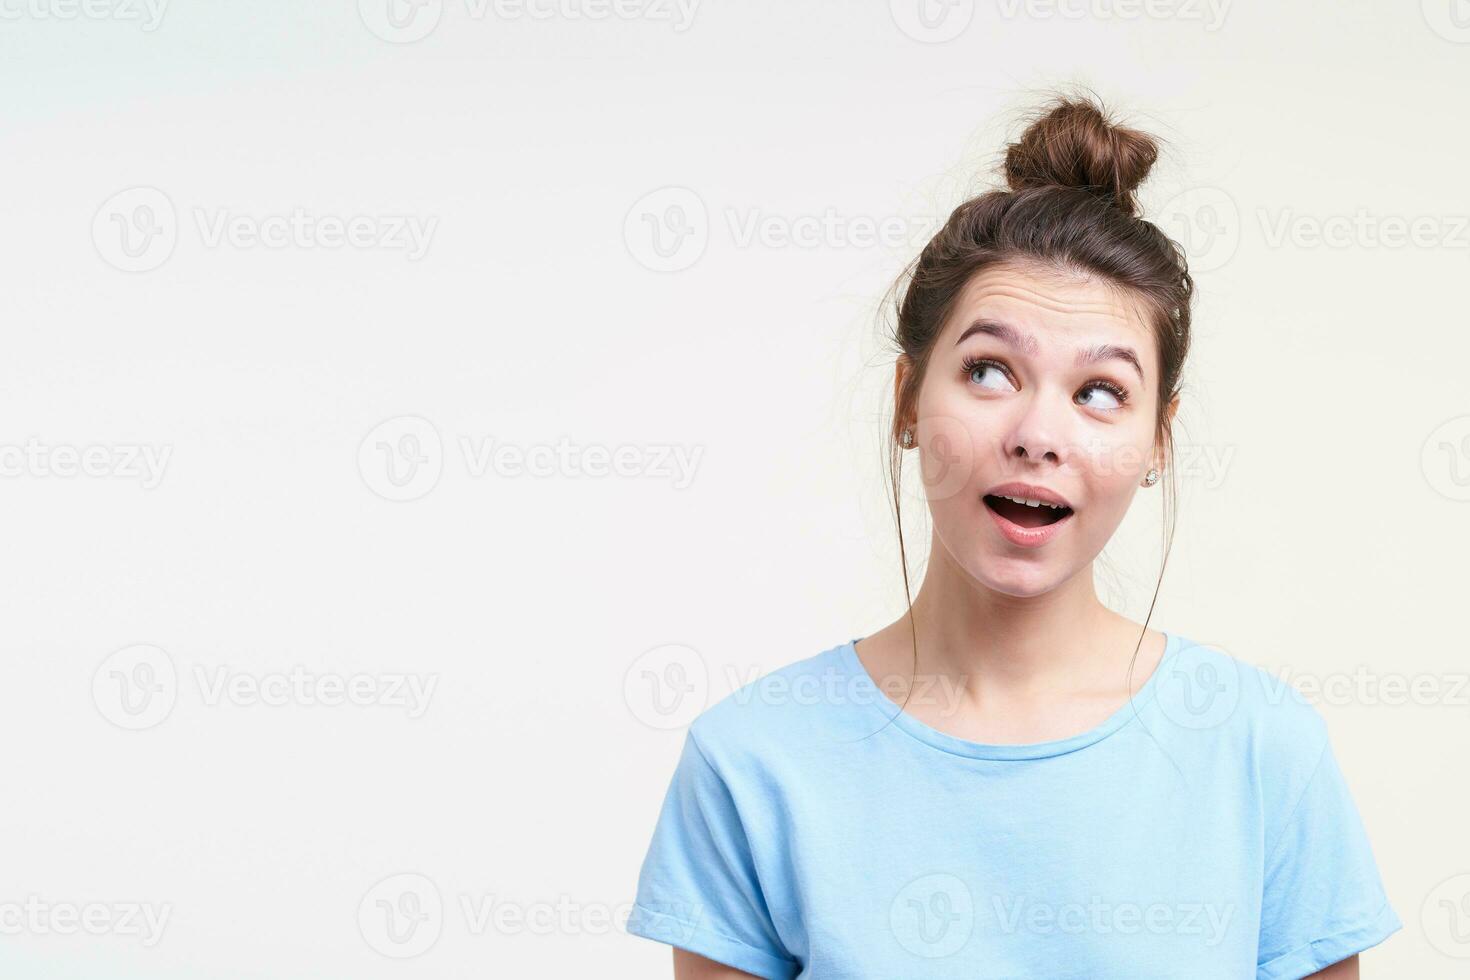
[{"x": 1027, "y": 537}]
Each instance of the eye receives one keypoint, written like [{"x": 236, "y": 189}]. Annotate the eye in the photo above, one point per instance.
[
  {"x": 1107, "y": 396},
  {"x": 985, "y": 373}
]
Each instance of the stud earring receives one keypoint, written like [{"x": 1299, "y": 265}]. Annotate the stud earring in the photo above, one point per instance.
[
  {"x": 907, "y": 438},
  {"x": 1150, "y": 478}
]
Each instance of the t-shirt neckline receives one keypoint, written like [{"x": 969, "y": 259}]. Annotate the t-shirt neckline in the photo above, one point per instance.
[{"x": 886, "y": 708}]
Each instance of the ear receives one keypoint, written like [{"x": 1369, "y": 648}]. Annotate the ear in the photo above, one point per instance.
[
  {"x": 1169, "y": 412},
  {"x": 901, "y": 368}
]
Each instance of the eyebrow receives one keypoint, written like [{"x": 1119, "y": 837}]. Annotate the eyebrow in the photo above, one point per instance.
[{"x": 1009, "y": 335}]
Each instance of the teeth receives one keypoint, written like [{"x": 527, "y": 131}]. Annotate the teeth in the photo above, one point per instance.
[{"x": 1032, "y": 503}]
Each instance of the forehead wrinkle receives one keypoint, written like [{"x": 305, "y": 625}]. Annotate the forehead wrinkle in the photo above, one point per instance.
[{"x": 1112, "y": 311}]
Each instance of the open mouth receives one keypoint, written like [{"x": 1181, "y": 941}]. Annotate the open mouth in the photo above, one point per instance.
[{"x": 1023, "y": 514}]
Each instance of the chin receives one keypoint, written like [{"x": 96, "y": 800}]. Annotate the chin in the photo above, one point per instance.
[{"x": 1019, "y": 579}]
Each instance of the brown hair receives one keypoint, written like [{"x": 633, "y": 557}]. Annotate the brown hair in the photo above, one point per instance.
[{"x": 1070, "y": 207}]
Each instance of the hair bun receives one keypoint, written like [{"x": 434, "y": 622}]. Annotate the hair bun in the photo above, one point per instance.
[{"x": 1072, "y": 143}]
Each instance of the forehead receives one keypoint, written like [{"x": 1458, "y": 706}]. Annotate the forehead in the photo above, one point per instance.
[{"x": 1058, "y": 308}]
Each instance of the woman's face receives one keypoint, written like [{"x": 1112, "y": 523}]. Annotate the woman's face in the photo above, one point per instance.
[{"x": 1046, "y": 380}]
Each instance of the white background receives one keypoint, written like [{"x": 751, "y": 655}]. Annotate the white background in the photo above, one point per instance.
[{"x": 1328, "y": 378}]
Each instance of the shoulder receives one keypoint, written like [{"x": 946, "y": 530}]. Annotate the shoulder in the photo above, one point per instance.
[
  {"x": 1232, "y": 702},
  {"x": 778, "y": 713}
]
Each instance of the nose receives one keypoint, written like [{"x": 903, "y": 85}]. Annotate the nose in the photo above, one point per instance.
[{"x": 1037, "y": 432}]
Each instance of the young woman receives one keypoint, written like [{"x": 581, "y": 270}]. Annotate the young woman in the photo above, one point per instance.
[{"x": 1013, "y": 780}]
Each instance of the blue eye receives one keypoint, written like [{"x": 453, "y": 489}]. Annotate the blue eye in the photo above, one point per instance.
[
  {"x": 1113, "y": 397},
  {"x": 987, "y": 374}
]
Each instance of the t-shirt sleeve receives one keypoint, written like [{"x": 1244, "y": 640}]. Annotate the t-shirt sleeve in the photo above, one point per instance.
[
  {"x": 698, "y": 888},
  {"x": 1323, "y": 898}
]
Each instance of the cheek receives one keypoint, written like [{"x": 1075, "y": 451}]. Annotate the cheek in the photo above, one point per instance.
[
  {"x": 1112, "y": 467},
  {"x": 952, "y": 451},
  {"x": 959, "y": 444}
]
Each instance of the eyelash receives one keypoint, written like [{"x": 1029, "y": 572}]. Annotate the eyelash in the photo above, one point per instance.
[{"x": 970, "y": 363}]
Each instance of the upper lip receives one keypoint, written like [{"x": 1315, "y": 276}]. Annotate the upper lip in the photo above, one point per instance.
[{"x": 1030, "y": 492}]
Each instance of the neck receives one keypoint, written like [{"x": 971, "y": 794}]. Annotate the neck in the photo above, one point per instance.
[{"x": 1006, "y": 642}]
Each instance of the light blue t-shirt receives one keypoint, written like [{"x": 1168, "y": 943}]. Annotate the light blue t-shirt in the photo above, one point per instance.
[{"x": 1209, "y": 835}]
